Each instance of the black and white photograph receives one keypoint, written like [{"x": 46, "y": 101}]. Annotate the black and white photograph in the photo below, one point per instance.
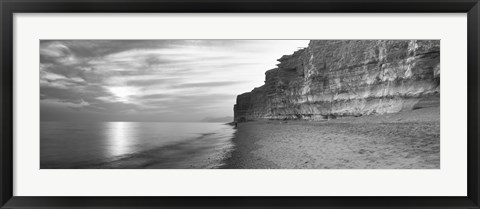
[{"x": 239, "y": 104}]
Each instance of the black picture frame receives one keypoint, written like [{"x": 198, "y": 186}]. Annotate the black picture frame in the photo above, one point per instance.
[{"x": 9, "y": 7}]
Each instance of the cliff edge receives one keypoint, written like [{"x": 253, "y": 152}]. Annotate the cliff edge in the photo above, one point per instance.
[{"x": 333, "y": 78}]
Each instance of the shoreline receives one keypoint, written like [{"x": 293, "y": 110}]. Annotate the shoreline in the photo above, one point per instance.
[
  {"x": 404, "y": 140},
  {"x": 241, "y": 158}
]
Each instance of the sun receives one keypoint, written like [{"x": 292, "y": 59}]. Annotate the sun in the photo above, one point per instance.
[{"x": 123, "y": 93}]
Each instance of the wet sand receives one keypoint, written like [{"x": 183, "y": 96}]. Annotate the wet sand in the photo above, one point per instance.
[{"x": 405, "y": 140}]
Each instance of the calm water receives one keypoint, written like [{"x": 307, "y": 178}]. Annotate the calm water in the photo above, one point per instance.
[{"x": 134, "y": 145}]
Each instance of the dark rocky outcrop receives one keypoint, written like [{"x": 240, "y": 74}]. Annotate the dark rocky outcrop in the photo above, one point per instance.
[{"x": 332, "y": 78}]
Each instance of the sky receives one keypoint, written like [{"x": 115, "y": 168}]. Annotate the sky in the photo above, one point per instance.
[{"x": 152, "y": 80}]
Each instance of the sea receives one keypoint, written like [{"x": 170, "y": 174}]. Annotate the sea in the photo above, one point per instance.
[{"x": 134, "y": 145}]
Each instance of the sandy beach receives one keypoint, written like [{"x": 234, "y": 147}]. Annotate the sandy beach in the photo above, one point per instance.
[{"x": 404, "y": 140}]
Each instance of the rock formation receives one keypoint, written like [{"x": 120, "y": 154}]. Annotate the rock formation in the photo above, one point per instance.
[{"x": 332, "y": 78}]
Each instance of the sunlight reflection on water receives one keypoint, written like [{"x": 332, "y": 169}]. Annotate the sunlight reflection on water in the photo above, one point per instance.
[{"x": 120, "y": 137}]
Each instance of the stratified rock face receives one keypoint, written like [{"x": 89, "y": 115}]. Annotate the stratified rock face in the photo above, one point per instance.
[{"x": 332, "y": 78}]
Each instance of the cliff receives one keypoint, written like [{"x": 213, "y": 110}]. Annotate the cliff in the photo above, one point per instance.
[{"x": 332, "y": 78}]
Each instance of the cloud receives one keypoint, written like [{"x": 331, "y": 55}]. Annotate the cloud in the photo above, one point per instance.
[
  {"x": 148, "y": 82},
  {"x": 152, "y": 79},
  {"x": 73, "y": 95},
  {"x": 155, "y": 96},
  {"x": 208, "y": 84}
]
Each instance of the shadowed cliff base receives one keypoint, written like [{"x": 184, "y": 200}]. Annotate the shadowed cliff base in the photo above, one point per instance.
[{"x": 403, "y": 140}]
